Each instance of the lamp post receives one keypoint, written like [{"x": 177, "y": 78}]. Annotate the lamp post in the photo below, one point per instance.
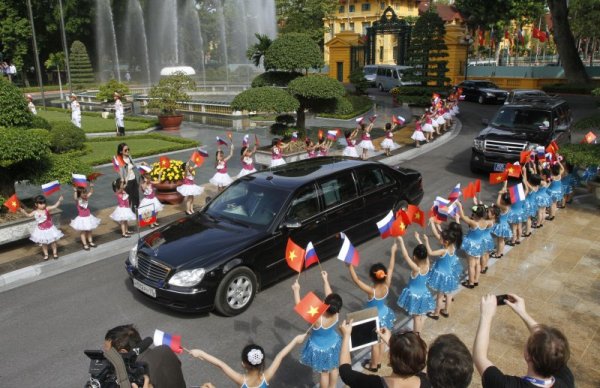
[
  {"x": 467, "y": 40},
  {"x": 36, "y": 55},
  {"x": 64, "y": 44}
]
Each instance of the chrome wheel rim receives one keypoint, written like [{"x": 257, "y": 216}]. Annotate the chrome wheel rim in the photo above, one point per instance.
[{"x": 239, "y": 292}]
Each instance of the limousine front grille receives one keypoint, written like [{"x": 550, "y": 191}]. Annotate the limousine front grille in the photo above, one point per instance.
[
  {"x": 152, "y": 270},
  {"x": 504, "y": 147}
]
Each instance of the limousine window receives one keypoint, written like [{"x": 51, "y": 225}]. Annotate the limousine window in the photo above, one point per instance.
[
  {"x": 371, "y": 179},
  {"x": 305, "y": 204},
  {"x": 338, "y": 189}
]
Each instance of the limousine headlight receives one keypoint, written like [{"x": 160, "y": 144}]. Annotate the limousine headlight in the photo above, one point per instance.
[
  {"x": 133, "y": 260},
  {"x": 488, "y": 94},
  {"x": 187, "y": 278},
  {"x": 478, "y": 144}
]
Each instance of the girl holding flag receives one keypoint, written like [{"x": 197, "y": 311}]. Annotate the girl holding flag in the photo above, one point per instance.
[
  {"x": 427, "y": 126},
  {"x": 350, "y": 149},
  {"x": 85, "y": 222},
  {"x": 122, "y": 214},
  {"x": 322, "y": 350},
  {"x": 517, "y": 214},
  {"x": 417, "y": 135},
  {"x": 45, "y": 233},
  {"x": 555, "y": 189},
  {"x": 221, "y": 179},
  {"x": 150, "y": 197},
  {"x": 189, "y": 189},
  {"x": 277, "y": 147},
  {"x": 388, "y": 143},
  {"x": 473, "y": 243},
  {"x": 501, "y": 229},
  {"x": 247, "y": 160},
  {"x": 365, "y": 141},
  {"x": 377, "y": 295}
]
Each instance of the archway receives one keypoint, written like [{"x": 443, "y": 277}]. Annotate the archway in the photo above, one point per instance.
[{"x": 389, "y": 23}]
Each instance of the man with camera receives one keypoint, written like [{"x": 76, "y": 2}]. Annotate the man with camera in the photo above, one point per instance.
[{"x": 546, "y": 351}]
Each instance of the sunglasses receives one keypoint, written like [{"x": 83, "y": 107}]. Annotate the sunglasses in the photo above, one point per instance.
[{"x": 125, "y": 149}]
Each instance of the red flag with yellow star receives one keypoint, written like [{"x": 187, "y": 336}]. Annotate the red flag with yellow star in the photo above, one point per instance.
[
  {"x": 311, "y": 308},
  {"x": 12, "y": 203},
  {"x": 294, "y": 255},
  {"x": 498, "y": 177},
  {"x": 197, "y": 158},
  {"x": 398, "y": 227},
  {"x": 416, "y": 215},
  {"x": 513, "y": 170},
  {"x": 164, "y": 162},
  {"x": 524, "y": 157}
]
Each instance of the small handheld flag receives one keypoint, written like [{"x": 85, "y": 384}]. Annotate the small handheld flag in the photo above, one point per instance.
[
  {"x": 398, "y": 227},
  {"x": 12, "y": 203},
  {"x": 221, "y": 141},
  {"x": 245, "y": 140},
  {"x": 332, "y": 134},
  {"x": 79, "y": 180},
  {"x": 517, "y": 193},
  {"x": 294, "y": 136},
  {"x": 416, "y": 215},
  {"x": 310, "y": 308},
  {"x": 455, "y": 193},
  {"x": 385, "y": 225},
  {"x": 373, "y": 118},
  {"x": 360, "y": 120},
  {"x": 348, "y": 254},
  {"x": 310, "y": 257},
  {"x": 144, "y": 169},
  {"x": 589, "y": 137},
  {"x": 320, "y": 134},
  {"x": 50, "y": 187},
  {"x": 294, "y": 255},
  {"x": 146, "y": 215},
  {"x": 524, "y": 157},
  {"x": 230, "y": 135},
  {"x": 197, "y": 158},
  {"x": 469, "y": 191},
  {"x": 171, "y": 340},
  {"x": 513, "y": 170},
  {"x": 164, "y": 162},
  {"x": 203, "y": 152},
  {"x": 498, "y": 177},
  {"x": 478, "y": 185},
  {"x": 256, "y": 142},
  {"x": 117, "y": 163},
  {"x": 93, "y": 176}
]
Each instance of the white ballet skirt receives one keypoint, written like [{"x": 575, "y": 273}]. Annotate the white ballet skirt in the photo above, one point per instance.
[
  {"x": 367, "y": 144},
  {"x": 189, "y": 187},
  {"x": 49, "y": 234},
  {"x": 447, "y": 116},
  {"x": 389, "y": 143},
  {"x": 427, "y": 128},
  {"x": 244, "y": 172},
  {"x": 441, "y": 120},
  {"x": 455, "y": 110},
  {"x": 221, "y": 179},
  {"x": 149, "y": 201},
  {"x": 418, "y": 136},
  {"x": 277, "y": 162},
  {"x": 85, "y": 224},
  {"x": 434, "y": 124},
  {"x": 122, "y": 214},
  {"x": 350, "y": 151}
]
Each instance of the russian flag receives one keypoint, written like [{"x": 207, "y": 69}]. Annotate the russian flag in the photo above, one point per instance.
[
  {"x": 453, "y": 209},
  {"x": 79, "y": 180},
  {"x": 442, "y": 205},
  {"x": 172, "y": 341},
  {"x": 50, "y": 187},
  {"x": 517, "y": 193},
  {"x": 116, "y": 163},
  {"x": 294, "y": 136},
  {"x": 385, "y": 225},
  {"x": 332, "y": 134},
  {"x": 360, "y": 120},
  {"x": 144, "y": 169},
  {"x": 203, "y": 152},
  {"x": 221, "y": 141},
  {"x": 245, "y": 140},
  {"x": 310, "y": 257},
  {"x": 348, "y": 254},
  {"x": 455, "y": 193}
]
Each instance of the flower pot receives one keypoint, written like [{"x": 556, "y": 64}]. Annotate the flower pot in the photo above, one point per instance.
[
  {"x": 170, "y": 122},
  {"x": 166, "y": 192}
]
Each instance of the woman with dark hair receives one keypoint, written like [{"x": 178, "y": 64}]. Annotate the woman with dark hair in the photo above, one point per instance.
[
  {"x": 408, "y": 355},
  {"x": 127, "y": 169}
]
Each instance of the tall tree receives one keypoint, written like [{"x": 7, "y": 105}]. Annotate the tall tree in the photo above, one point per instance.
[
  {"x": 257, "y": 51},
  {"x": 305, "y": 16},
  {"x": 584, "y": 19},
  {"x": 81, "y": 67},
  {"x": 15, "y": 33}
]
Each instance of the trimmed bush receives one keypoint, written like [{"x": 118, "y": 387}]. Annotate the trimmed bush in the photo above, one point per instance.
[
  {"x": 265, "y": 99},
  {"x": 40, "y": 122},
  {"x": 107, "y": 90},
  {"x": 343, "y": 106},
  {"x": 13, "y": 107},
  {"x": 293, "y": 52},
  {"x": 581, "y": 155},
  {"x": 275, "y": 78},
  {"x": 358, "y": 80},
  {"x": 61, "y": 166},
  {"x": 80, "y": 65},
  {"x": 65, "y": 137},
  {"x": 359, "y": 104}
]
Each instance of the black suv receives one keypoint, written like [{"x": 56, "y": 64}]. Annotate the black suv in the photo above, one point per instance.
[
  {"x": 520, "y": 126},
  {"x": 482, "y": 91}
]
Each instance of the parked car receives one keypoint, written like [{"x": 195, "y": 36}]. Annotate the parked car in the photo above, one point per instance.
[
  {"x": 523, "y": 94},
  {"x": 391, "y": 76},
  {"x": 222, "y": 255},
  {"x": 370, "y": 72},
  {"x": 518, "y": 127},
  {"x": 482, "y": 91}
]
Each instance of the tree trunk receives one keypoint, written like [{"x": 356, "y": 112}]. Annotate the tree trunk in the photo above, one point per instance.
[
  {"x": 300, "y": 118},
  {"x": 7, "y": 185},
  {"x": 565, "y": 43}
]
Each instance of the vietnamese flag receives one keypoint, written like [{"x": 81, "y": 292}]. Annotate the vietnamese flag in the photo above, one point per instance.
[
  {"x": 416, "y": 215},
  {"x": 552, "y": 147},
  {"x": 93, "y": 176},
  {"x": 164, "y": 162},
  {"x": 398, "y": 227},
  {"x": 12, "y": 203},
  {"x": 478, "y": 186},
  {"x": 524, "y": 157},
  {"x": 197, "y": 158},
  {"x": 589, "y": 137},
  {"x": 404, "y": 216},
  {"x": 294, "y": 255},
  {"x": 320, "y": 134},
  {"x": 498, "y": 177},
  {"x": 256, "y": 142},
  {"x": 469, "y": 191},
  {"x": 310, "y": 308},
  {"x": 513, "y": 170}
]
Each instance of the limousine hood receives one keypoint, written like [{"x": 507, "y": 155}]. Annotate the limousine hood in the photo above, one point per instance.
[
  {"x": 493, "y": 91},
  {"x": 197, "y": 242}
]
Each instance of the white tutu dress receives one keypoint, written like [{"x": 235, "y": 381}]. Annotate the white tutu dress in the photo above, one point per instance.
[
  {"x": 122, "y": 212},
  {"x": 150, "y": 199},
  {"x": 441, "y": 120},
  {"x": 428, "y": 127},
  {"x": 189, "y": 187},
  {"x": 85, "y": 221},
  {"x": 247, "y": 166},
  {"x": 276, "y": 159},
  {"x": 350, "y": 149},
  {"x": 365, "y": 142},
  {"x": 418, "y": 133},
  {"x": 44, "y": 232},
  {"x": 388, "y": 142},
  {"x": 221, "y": 178}
]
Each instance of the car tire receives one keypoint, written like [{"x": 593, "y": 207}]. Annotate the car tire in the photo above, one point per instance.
[
  {"x": 380, "y": 87},
  {"x": 481, "y": 100},
  {"x": 236, "y": 292}
]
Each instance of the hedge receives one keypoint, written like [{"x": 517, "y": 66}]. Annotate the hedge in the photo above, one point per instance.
[
  {"x": 588, "y": 123},
  {"x": 360, "y": 105}
]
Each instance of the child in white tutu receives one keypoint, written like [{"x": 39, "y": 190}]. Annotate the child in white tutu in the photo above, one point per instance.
[
  {"x": 350, "y": 149},
  {"x": 277, "y": 147},
  {"x": 365, "y": 141},
  {"x": 388, "y": 143},
  {"x": 44, "y": 233},
  {"x": 427, "y": 126},
  {"x": 439, "y": 117},
  {"x": 221, "y": 179},
  {"x": 150, "y": 197},
  {"x": 417, "y": 135},
  {"x": 189, "y": 189},
  {"x": 122, "y": 214},
  {"x": 85, "y": 222},
  {"x": 247, "y": 160}
]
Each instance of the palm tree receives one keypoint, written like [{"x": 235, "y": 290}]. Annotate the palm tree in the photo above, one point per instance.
[
  {"x": 56, "y": 60},
  {"x": 258, "y": 50}
]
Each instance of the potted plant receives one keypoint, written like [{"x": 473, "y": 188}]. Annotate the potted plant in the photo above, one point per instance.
[
  {"x": 166, "y": 95},
  {"x": 585, "y": 157},
  {"x": 166, "y": 180}
]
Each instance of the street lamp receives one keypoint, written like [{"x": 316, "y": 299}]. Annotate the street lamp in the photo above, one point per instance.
[{"x": 467, "y": 40}]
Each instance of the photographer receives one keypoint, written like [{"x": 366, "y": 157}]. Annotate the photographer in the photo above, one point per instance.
[
  {"x": 546, "y": 352},
  {"x": 163, "y": 366}
]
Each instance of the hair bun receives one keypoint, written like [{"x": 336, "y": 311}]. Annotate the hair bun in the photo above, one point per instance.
[
  {"x": 380, "y": 274},
  {"x": 255, "y": 357}
]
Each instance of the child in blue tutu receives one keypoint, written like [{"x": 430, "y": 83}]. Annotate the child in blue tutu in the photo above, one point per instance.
[
  {"x": 473, "y": 243},
  {"x": 501, "y": 229},
  {"x": 416, "y": 299},
  {"x": 516, "y": 217},
  {"x": 543, "y": 197},
  {"x": 446, "y": 271},
  {"x": 568, "y": 181},
  {"x": 532, "y": 182},
  {"x": 322, "y": 350},
  {"x": 555, "y": 189},
  {"x": 377, "y": 295},
  {"x": 492, "y": 213}
]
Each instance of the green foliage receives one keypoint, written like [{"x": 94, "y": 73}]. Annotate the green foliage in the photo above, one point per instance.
[
  {"x": 343, "y": 106},
  {"x": 256, "y": 52},
  {"x": 40, "y": 122},
  {"x": 65, "y": 137},
  {"x": 581, "y": 155},
  {"x": 81, "y": 68},
  {"x": 275, "y": 78},
  {"x": 55, "y": 61},
  {"x": 265, "y": 99},
  {"x": 575, "y": 88},
  {"x": 596, "y": 92},
  {"x": 588, "y": 123},
  {"x": 305, "y": 16},
  {"x": 106, "y": 91},
  {"x": 15, "y": 33},
  {"x": 357, "y": 78},
  {"x": 293, "y": 52},
  {"x": 61, "y": 166},
  {"x": 584, "y": 18},
  {"x": 359, "y": 105},
  {"x": 316, "y": 87},
  {"x": 169, "y": 91},
  {"x": 13, "y": 107},
  {"x": 490, "y": 12}
]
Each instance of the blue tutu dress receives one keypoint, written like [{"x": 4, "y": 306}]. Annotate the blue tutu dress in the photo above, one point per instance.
[
  {"x": 386, "y": 314},
  {"x": 416, "y": 299},
  {"x": 517, "y": 213},
  {"x": 322, "y": 350},
  {"x": 502, "y": 228},
  {"x": 568, "y": 184},
  {"x": 555, "y": 190},
  {"x": 488, "y": 240},
  {"x": 531, "y": 205},
  {"x": 445, "y": 273},
  {"x": 474, "y": 243},
  {"x": 543, "y": 198}
]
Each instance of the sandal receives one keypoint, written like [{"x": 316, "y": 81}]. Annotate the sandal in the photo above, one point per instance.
[
  {"x": 475, "y": 284},
  {"x": 549, "y": 218},
  {"x": 483, "y": 271},
  {"x": 46, "y": 258},
  {"x": 125, "y": 235},
  {"x": 526, "y": 234},
  {"x": 496, "y": 256},
  {"x": 432, "y": 316},
  {"x": 518, "y": 242},
  {"x": 466, "y": 284},
  {"x": 55, "y": 257},
  {"x": 86, "y": 247},
  {"x": 92, "y": 244},
  {"x": 366, "y": 364},
  {"x": 444, "y": 313},
  {"x": 510, "y": 243}
]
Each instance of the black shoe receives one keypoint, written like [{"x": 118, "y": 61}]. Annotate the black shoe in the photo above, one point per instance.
[
  {"x": 466, "y": 284},
  {"x": 432, "y": 316},
  {"x": 366, "y": 364}
]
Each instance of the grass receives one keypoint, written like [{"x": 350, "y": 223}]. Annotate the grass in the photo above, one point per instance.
[
  {"x": 588, "y": 123},
  {"x": 101, "y": 150},
  {"x": 94, "y": 123}
]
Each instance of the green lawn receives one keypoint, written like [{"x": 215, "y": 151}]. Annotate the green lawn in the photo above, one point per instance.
[{"x": 93, "y": 124}]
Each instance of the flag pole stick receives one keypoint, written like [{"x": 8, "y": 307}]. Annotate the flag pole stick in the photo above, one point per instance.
[{"x": 309, "y": 329}]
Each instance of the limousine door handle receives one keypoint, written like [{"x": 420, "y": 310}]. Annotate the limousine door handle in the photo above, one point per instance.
[{"x": 319, "y": 220}]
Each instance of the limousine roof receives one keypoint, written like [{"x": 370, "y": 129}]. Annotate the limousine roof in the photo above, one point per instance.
[{"x": 292, "y": 175}]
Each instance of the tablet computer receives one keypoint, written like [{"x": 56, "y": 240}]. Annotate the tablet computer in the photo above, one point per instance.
[{"x": 365, "y": 325}]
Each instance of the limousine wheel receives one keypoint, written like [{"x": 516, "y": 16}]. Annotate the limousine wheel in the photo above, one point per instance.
[
  {"x": 481, "y": 100},
  {"x": 236, "y": 291}
]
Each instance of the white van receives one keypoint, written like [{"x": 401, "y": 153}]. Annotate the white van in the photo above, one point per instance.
[
  {"x": 370, "y": 72},
  {"x": 390, "y": 76}
]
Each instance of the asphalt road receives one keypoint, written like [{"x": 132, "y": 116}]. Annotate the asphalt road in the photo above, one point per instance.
[{"x": 46, "y": 325}]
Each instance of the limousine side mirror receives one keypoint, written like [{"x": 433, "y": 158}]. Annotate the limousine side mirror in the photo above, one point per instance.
[
  {"x": 291, "y": 224},
  {"x": 485, "y": 121}
]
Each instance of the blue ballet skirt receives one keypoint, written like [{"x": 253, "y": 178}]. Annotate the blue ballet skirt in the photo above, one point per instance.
[
  {"x": 502, "y": 228},
  {"x": 416, "y": 299},
  {"x": 474, "y": 243},
  {"x": 555, "y": 191},
  {"x": 386, "y": 314},
  {"x": 531, "y": 205},
  {"x": 322, "y": 349},
  {"x": 488, "y": 240},
  {"x": 517, "y": 213},
  {"x": 568, "y": 184},
  {"x": 445, "y": 274},
  {"x": 543, "y": 198}
]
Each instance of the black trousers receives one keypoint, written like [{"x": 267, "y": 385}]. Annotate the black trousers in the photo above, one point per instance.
[{"x": 133, "y": 190}]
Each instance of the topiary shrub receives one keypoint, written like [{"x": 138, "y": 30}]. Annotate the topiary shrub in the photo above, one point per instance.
[
  {"x": 106, "y": 91},
  {"x": 65, "y": 137},
  {"x": 13, "y": 107},
  {"x": 265, "y": 99},
  {"x": 61, "y": 166},
  {"x": 358, "y": 80},
  {"x": 81, "y": 68},
  {"x": 275, "y": 78},
  {"x": 40, "y": 122},
  {"x": 343, "y": 106}
]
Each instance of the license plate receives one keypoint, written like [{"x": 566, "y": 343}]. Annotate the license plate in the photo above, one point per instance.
[
  {"x": 499, "y": 167},
  {"x": 144, "y": 288}
]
